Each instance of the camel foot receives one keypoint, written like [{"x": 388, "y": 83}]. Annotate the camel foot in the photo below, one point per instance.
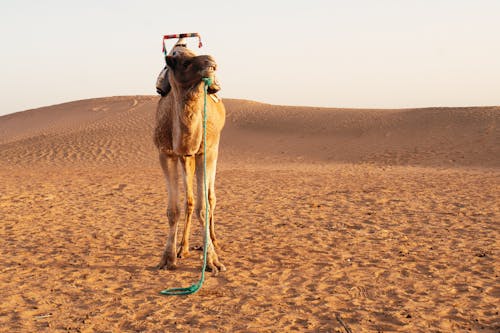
[
  {"x": 214, "y": 265},
  {"x": 165, "y": 263},
  {"x": 183, "y": 252},
  {"x": 216, "y": 268},
  {"x": 169, "y": 267}
]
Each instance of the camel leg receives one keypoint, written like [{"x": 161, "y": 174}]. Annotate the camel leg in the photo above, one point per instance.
[
  {"x": 169, "y": 166},
  {"x": 212, "y": 200},
  {"x": 213, "y": 262},
  {"x": 188, "y": 166}
]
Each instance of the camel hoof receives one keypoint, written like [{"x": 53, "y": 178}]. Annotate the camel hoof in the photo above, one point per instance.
[
  {"x": 212, "y": 269},
  {"x": 216, "y": 267},
  {"x": 165, "y": 263},
  {"x": 183, "y": 253},
  {"x": 169, "y": 267}
]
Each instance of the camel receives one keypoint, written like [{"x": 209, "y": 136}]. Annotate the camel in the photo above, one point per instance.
[{"x": 179, "y": 139}]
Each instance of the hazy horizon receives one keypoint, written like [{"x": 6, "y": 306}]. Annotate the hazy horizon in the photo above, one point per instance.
[{"x": 358, "y": 54}]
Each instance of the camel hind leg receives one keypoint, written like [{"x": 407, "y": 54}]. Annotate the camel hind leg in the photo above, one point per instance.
[
  {"x": 188, "y": 167},
  {"x": 169, "y": 166},
  {"x": 213, "y": 262},
  {"x": 212, "y": 200}
]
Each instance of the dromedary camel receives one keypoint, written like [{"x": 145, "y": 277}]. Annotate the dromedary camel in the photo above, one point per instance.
[{"x": 179, "y": 138}]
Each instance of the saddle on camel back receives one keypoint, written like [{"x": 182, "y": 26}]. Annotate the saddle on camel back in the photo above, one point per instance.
[{"x": 163, "y": 85}]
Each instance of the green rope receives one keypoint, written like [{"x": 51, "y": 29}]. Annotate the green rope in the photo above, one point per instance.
[{"x": 195, "y": 287}]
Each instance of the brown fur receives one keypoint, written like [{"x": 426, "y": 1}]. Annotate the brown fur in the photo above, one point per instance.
[{"x": 179, "y": 138}]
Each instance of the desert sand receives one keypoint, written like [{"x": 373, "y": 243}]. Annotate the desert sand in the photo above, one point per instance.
[{"x": 330, "y": 220}]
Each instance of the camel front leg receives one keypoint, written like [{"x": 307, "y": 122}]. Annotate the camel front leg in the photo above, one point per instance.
[
  {"x": 188, "y": 167},
  {"x": 213, "y": 262},
  {"x": 169, "y": 166}
]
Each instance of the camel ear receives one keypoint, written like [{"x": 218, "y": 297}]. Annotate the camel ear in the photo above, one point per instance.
[{"x": 171, "y": 61}]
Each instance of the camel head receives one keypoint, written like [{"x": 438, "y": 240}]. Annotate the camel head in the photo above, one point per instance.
[{"x": 188, "y": 70}]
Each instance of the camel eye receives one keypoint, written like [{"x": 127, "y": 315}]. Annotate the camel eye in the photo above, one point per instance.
[{"x": 187, "y": 64}]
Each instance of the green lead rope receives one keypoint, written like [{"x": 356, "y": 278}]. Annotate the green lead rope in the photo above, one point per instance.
[{"x": 195, "y": 287}]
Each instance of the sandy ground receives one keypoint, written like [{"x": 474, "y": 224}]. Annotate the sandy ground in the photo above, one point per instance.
[{"x": 330, "y": 220}]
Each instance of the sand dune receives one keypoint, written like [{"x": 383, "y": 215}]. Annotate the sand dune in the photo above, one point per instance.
[
  {"x": 118, "y": 130},
  {"x": 386, "y": 218}
]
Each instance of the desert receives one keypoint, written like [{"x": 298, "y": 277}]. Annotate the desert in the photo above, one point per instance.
[{"x": 329, "y": 220}]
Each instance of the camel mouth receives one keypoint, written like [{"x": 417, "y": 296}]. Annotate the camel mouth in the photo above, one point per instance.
[
  {"x": 209, "y": 71},
  {"x": 211, "y": 68}
]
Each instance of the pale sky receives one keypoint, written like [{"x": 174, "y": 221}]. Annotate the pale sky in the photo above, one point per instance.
[{"x": 351, "y": 53}]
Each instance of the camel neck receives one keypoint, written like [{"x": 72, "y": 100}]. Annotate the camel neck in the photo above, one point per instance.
[
  {"x": 193, "y": 98},
  {"x": 188, "y": 121},
  {"x": 190, "y": 99}
]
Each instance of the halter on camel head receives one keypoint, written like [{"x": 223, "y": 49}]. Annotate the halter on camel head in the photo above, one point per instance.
[{"x": 181, "y": 41}]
